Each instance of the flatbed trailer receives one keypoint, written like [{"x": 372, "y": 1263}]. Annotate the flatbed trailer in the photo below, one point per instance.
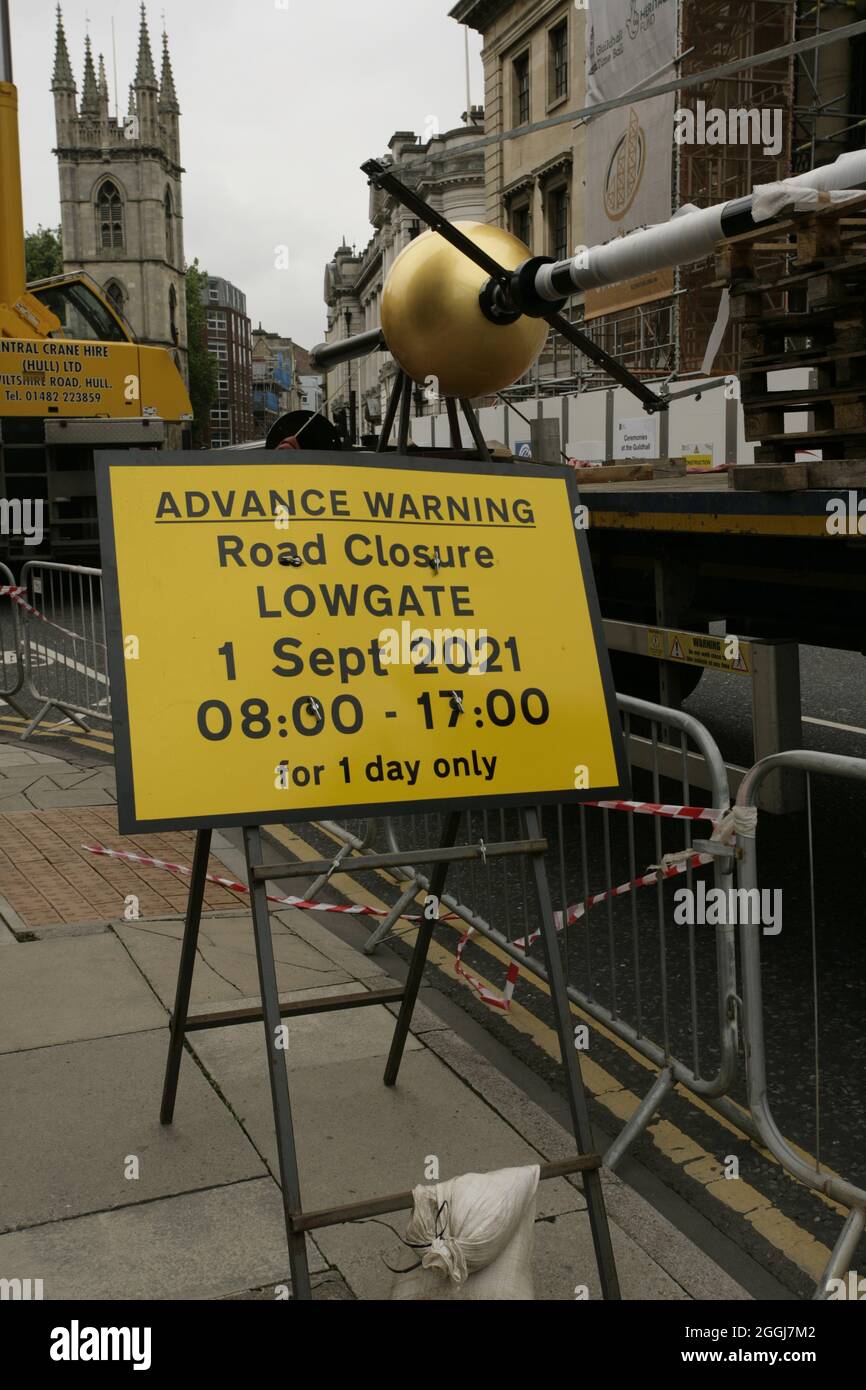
[{"x": 679, "y": 558}]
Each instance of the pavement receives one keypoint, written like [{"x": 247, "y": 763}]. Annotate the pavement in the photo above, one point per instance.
[{"x": 100, "y": 1201}]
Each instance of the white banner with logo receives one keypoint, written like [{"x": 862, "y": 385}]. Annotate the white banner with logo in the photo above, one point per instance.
[{"x": 630, "y": 149}]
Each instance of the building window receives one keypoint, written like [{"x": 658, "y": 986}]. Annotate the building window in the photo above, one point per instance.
[
  {"x": 216, "y": 322},
  {"x": 521, "y": 89},
  {"x": 557, "y": 223},
  {"x": 558, "y": 84},
  {"x": 172, "y": 313},
  {"x": 219, "y": 351},
  {"x": 169, "y": 229},
  {"x": 115, "y": 296},
  {"x": 521, "y": 224},
  {"x": 213, "y": 294},
  {"x": 109, "y": 217}
]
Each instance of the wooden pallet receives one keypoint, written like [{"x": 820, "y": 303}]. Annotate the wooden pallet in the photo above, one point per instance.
[
  {"x": 794, "y": 477},
  {"x": 630, "y": 471},
  {"x": 809, "y": 312}
]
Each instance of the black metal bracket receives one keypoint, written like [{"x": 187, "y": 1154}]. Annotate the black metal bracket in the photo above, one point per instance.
[{"x": 508, "y": 294}]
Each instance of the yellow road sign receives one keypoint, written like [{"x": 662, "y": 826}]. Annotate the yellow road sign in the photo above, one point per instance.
[{"x": 308, "y": 634}]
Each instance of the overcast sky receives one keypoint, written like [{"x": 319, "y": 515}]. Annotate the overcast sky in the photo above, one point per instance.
[{"x": 282, "y": 101}]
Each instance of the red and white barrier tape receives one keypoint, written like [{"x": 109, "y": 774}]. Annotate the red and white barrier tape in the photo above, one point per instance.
[
  {"x": 660, "y": 808},
  {"x": 493, "y": 998},
  {"x": 351, "y": 910},
  {"x": 16, "y": 592}
]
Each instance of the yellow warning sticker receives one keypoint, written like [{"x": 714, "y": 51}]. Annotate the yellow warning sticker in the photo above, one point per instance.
[{"x": 726, "y": 653}]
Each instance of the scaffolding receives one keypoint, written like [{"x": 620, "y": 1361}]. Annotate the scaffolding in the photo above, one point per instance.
[{"x": 668, "y": 338}]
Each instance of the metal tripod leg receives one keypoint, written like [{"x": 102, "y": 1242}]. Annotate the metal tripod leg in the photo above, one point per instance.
[
  {"x": 277, "y": 1070},
  {"x": 592, "y": 1188},
  {"x": 475, "y": 429},
  {"x": 184, "y": 974},
  {"x": 419, "y": 955}
]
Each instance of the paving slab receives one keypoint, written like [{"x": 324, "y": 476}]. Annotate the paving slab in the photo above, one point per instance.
[
  {"x": 75, "y": 1116},
  {"x": 200, "y": 1245},
  {"x": 305, "y": 926},
  {"x": 314, "y": 1040},
  {"x": 14, "y": 755},
  {"x": 563, "y": 1263},
  {"x": 225, "y": 966},
  {"x": 49, "y": 877},
  {"x": 70, "y": 989},
  {"x": 357, "y": 1137}
]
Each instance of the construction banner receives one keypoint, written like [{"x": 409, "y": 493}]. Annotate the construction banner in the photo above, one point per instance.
[
  {"x": 310, "y": 634},
  {"x": 628, "y": 152}
]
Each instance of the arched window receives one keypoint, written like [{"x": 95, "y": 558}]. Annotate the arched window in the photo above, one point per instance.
[
  {"x": 169, "y": 228},
  {"x": 109, "y": 217},
  {"x": 115, "y": 295},
  {"x": 172, "y": 313}
]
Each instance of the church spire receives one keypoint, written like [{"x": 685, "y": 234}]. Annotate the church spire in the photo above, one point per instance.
[
  {"x": 63, "y": 78},
  {"x": 167, "y": 94},
  {"x": 145, "y": 74},
  {"x": 102, "y": 86},
  {"x": 90, "y": 91}
]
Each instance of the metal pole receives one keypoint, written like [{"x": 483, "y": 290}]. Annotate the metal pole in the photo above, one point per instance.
[
  {"x": 5, "y": 43},
  {"x": 576, "y": 1095},
  {"x": 184, "y": 974},
  {"x": 419, "y": 955},
  {"x": 277, "y": 1070},
  {"x": 405, "y": 416},
  {"x": 475, "y": 429},
  {"x": 390, "y": 414}
]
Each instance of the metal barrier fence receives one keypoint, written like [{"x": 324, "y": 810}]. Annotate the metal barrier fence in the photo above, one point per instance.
[
  {"x": 11, "y": 664},
  {"x": 803, "y": 1011},
  {"x": 63, "y": 641},
  {"x": 670, "y": 994},
  {"x": 666, "y": 987}
]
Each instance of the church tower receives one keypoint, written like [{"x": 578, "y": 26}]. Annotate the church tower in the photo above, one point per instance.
[{"x": 120, "y": 189}]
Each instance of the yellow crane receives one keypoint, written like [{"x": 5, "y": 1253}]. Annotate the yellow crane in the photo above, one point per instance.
[{"x": 72, "y": 376}]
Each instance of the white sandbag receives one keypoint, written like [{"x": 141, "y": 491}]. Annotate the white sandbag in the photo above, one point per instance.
[{"x": 473, "y": 1236}]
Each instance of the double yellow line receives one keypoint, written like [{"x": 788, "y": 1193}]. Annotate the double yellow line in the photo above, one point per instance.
[{"x": 100, "y": 739}]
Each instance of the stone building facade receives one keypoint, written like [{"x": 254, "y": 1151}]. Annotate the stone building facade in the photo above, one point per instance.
[
  {"x": 453, "y": 182},
  {"x": 120, "y": 190},
  {"x": 534, "y": 68}
]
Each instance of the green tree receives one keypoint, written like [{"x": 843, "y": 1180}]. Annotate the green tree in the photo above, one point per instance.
[
  {"x": 202, "y": 367},
  {"x": 43, "y": 254}
]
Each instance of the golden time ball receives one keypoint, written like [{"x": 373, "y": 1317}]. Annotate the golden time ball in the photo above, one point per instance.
[{"x": 434, "y": 325}]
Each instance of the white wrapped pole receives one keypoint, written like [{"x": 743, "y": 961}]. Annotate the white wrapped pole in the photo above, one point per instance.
[{"x": 690, "y": 235}]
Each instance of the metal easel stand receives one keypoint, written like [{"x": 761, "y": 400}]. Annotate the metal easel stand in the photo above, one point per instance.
[{"x": 272, "y": 1011}]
